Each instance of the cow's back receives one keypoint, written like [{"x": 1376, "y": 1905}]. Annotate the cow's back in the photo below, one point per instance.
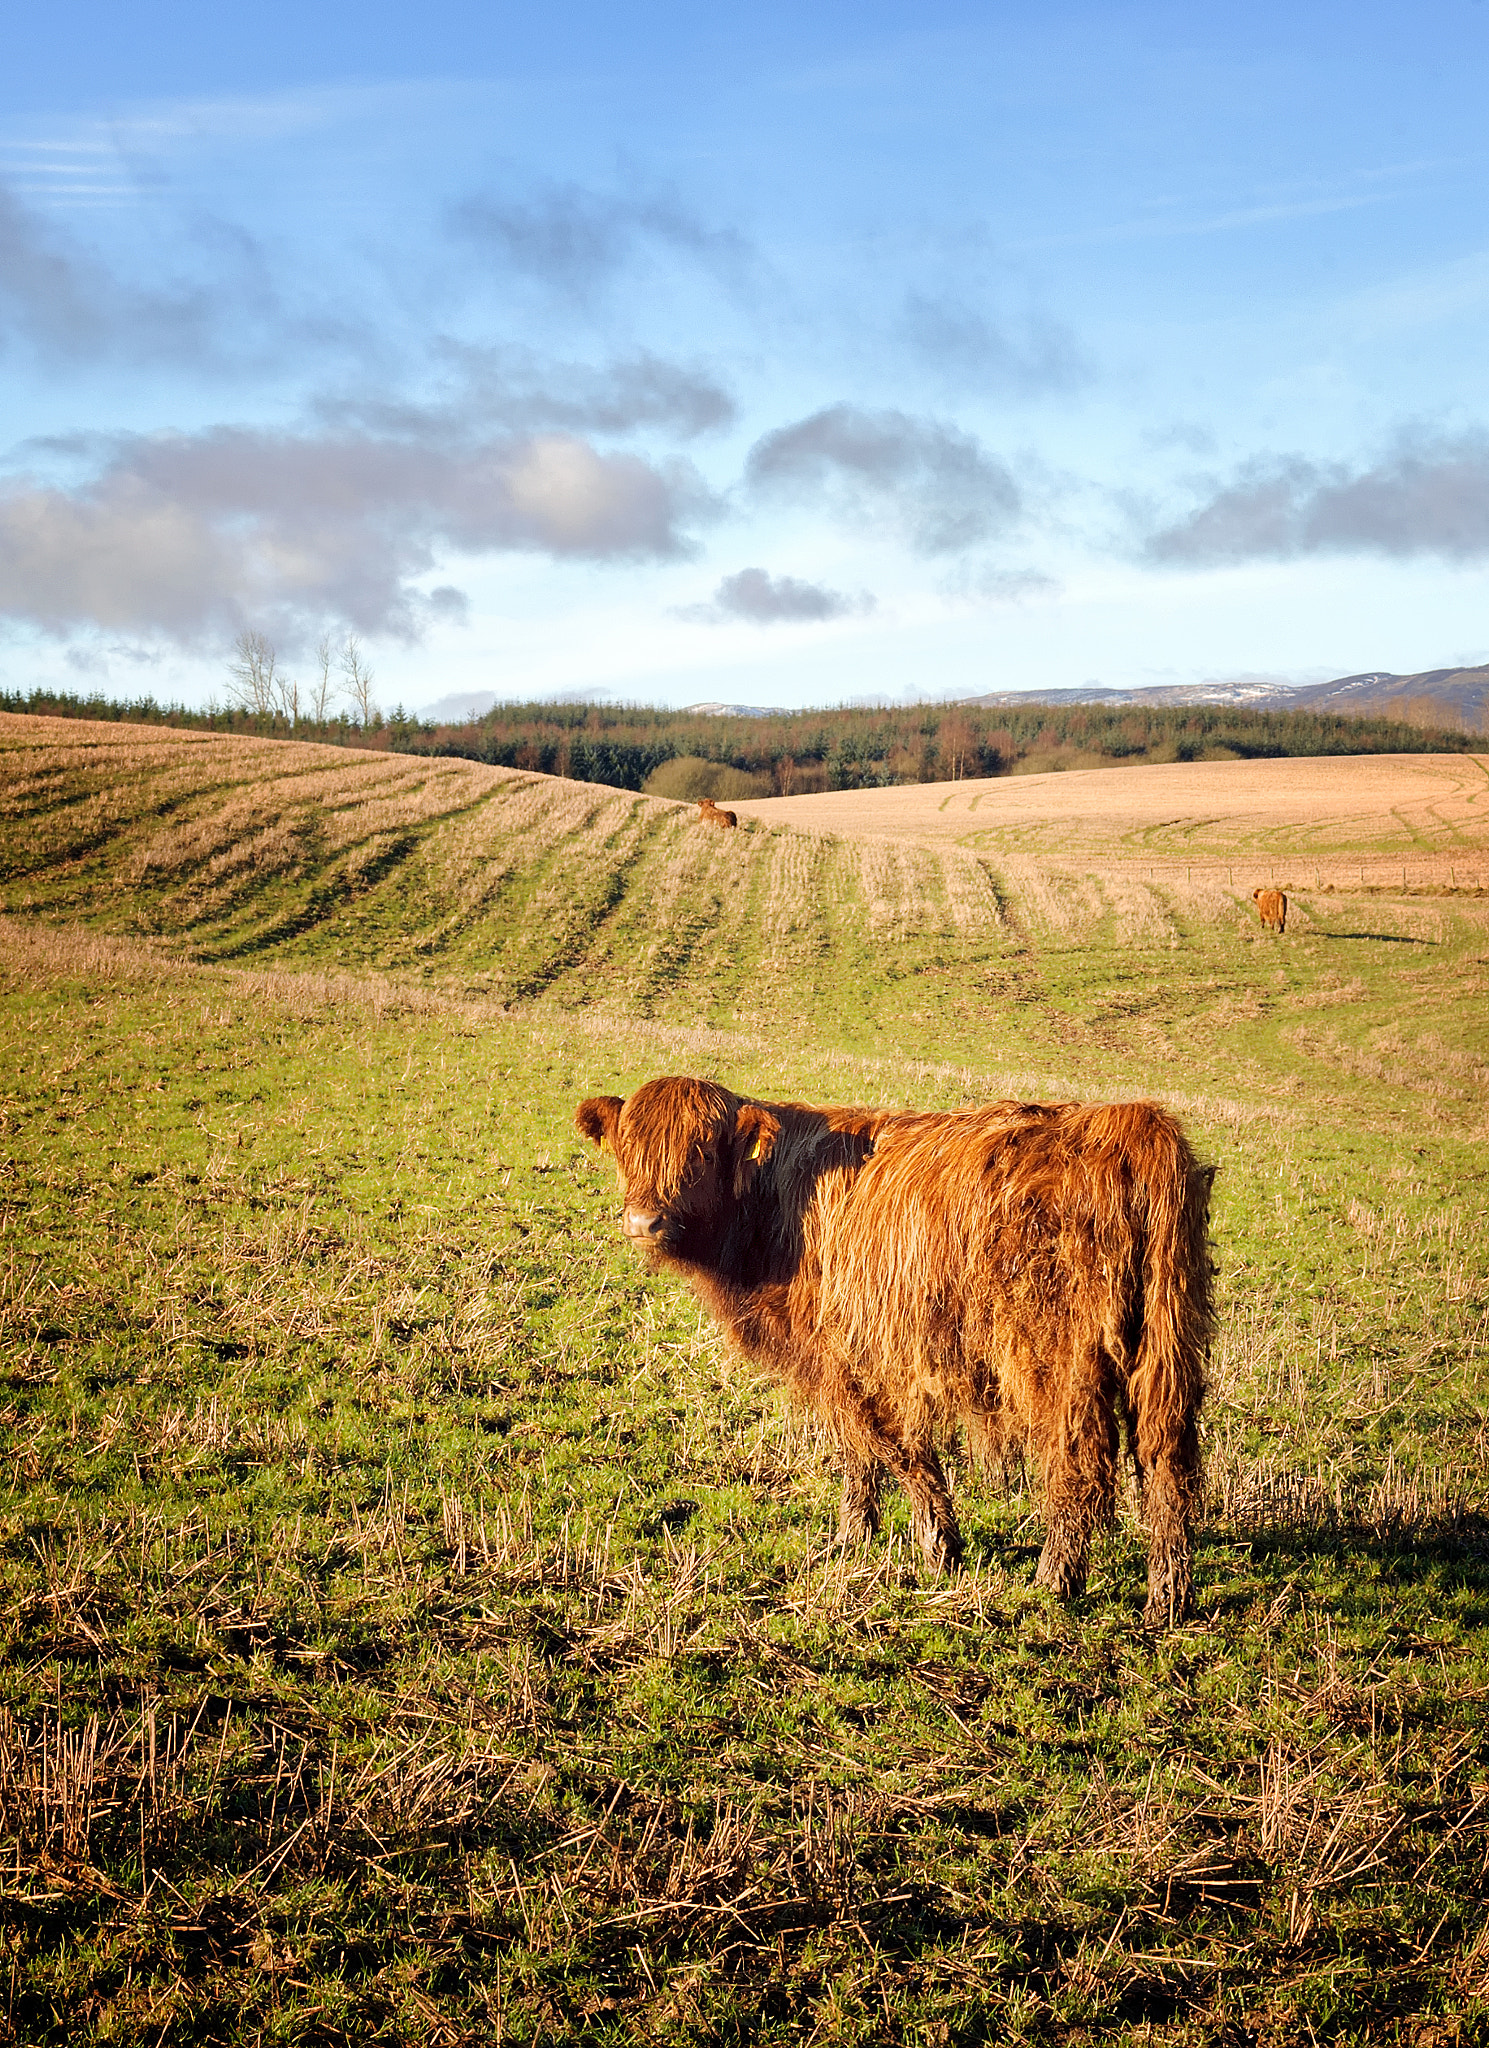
[{"x": 967, "y": 1236}]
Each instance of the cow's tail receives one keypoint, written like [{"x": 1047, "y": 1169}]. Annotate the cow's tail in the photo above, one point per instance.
[{"x": 1166, "y": 1381}]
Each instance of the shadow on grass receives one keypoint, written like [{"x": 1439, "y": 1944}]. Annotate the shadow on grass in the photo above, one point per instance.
[{"x": 1451, "y": 1552}]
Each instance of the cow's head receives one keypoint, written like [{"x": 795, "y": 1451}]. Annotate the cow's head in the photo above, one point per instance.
[{"x": 686, "y": 1153}]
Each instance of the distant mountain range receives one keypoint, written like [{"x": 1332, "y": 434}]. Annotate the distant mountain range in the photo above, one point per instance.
[
  {"x": 737, "y": 710},
  {"x": 1436, "y": 696}
]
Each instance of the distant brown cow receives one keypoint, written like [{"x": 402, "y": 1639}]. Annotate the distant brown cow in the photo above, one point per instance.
[
  {"x": 710, "y": 814},
  {"x": 1036, "y": 1273},
  {"x": 1271, "y": 908}
]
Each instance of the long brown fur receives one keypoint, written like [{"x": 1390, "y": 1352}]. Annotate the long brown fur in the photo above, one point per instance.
[
  {"x": 710, "y": 814},
  {"x": 1271, "y": 908},
  {"x": 1035, "y": 1274}
]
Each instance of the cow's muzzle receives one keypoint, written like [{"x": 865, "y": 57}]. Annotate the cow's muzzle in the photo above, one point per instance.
[{"x": 645, "y": 1229}]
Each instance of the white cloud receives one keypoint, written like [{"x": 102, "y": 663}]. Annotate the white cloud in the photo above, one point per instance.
[{"x": 191, "y": 536}]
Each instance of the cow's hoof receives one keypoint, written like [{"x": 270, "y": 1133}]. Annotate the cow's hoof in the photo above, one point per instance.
[
  {"x": 1060, "y": 1574},
  {"x": 1167, "y": 1609},
  {"x": 941, "y": 1549}
]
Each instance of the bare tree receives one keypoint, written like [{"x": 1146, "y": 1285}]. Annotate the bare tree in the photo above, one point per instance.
[
  {"x": 252, "y": 673},
  {"x": 357, "y": 681},
  {"x": 321, "y": 690},
  {"x": 257, "y": 683}
]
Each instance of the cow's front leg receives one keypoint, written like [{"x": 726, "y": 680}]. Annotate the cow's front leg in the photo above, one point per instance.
[
  {"x": 858, "y": 1517},
  {"x": 932, "y": 1517},
  {"x": 872, "y": 1442}
]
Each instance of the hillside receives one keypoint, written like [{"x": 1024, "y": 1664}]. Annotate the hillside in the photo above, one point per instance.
[
  {"x": 1445, "y": 697},
  {"x": 519, "y": 888},
  {"x": 501, "y": 884},
  {"x": 415, "y": 1624}
]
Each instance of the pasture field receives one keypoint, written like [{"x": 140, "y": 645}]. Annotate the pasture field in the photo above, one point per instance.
[{"x": 417, "y": 1626}]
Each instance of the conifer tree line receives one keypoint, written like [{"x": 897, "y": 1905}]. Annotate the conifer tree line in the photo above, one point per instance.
[{"x": 687, "y": 754}]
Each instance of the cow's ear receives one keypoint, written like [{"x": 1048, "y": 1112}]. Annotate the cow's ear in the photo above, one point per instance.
[
  {"x": 755, "y": 1134},
  {"x": 597, "y": 1118}
]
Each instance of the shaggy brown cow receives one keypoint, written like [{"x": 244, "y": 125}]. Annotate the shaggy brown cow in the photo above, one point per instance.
[
  {"x": 1036, "y": 1273},
  {"x": 1271, "y": 908},
  {"x": 710, "y": 814}
]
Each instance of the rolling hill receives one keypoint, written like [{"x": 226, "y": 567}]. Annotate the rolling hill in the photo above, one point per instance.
[{"x": 1452, "y": 697}]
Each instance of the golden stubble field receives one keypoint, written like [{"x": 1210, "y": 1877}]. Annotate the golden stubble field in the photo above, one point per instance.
[{"x": 1342, "y": 818}]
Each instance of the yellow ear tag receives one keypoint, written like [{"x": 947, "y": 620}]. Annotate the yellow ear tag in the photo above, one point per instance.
[{"x": 754, "y": 1151}]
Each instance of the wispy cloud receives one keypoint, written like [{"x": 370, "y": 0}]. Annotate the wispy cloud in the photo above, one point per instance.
[
  {"x": 65, "y": 306},
  {"x": 513, "y": 388},
  {"x": 1428, "y": 496},
  {"x": 986, "y": 583},
  {"x": 1019, "y": 357},
  {"x": 61, "y": 302},
  {"x": 574, "y": 241},
  {"x": 765, "y": 600},
  {"x": 938, "y": 484},
  {"x": 82, "y": 171},
  {"x": 1178, "y": 219},
  {"x": 189, "y": 537}
]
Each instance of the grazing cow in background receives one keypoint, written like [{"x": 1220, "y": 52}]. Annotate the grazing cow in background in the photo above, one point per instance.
[
  {"x": 1037, "y": 1273},
  {"x": 1271, "y": 908},
  {"x": 710, "y": 814}
]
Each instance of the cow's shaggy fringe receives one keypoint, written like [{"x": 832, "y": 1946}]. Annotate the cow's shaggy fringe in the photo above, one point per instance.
[{"x": 1037, "y": 1275}]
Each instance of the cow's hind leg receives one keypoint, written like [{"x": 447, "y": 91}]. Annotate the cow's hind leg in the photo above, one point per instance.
[
  {"x": 1080, "y": 1485},
  {"x": 1170, "y": 1489},
  {"x": 858, "y": 1517}
]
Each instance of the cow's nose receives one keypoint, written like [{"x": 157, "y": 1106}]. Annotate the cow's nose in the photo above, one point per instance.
[{"x": 636, "y": 1223}]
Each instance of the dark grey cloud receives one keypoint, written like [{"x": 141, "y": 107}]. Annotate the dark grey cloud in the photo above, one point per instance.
[
  {"x": 1023, "y": 357},
  {"x": 766, "y": 600},
  {"x": 940, "y": 485},
  {"x": 189, "y": 536},
  {"x": 487, "y": 389},
  {"x": 575, "y": 242},
  {"x": 1426, "y": 497}
]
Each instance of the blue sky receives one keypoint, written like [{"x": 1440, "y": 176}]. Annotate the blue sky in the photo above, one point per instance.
[{"x": 780, "y": 355}]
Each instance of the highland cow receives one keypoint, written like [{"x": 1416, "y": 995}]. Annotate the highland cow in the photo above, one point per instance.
[
  {"x": 1037, "y": 1274},
  {"x": 1271, "y": 908},
  {"x": 710, "y": 814}
]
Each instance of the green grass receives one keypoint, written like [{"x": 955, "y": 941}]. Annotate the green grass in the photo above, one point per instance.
[{"x": 417, "y": 1626}]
